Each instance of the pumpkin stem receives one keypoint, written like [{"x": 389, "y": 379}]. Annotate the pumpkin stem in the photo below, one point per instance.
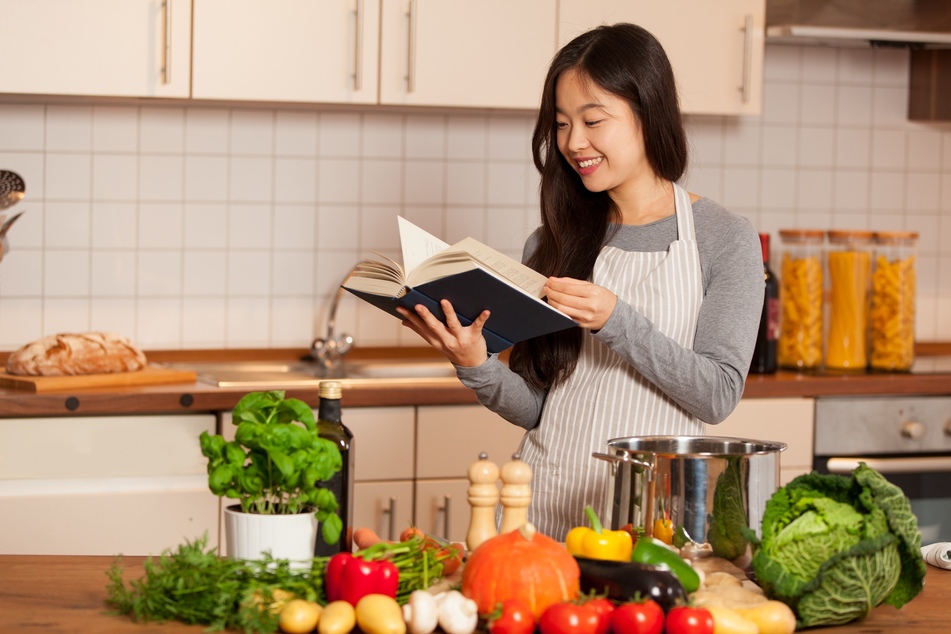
[{"x": 527, "y": 530}]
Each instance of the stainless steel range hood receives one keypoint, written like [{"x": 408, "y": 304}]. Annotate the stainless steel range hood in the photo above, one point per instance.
[{"x": 914, "y": 24}]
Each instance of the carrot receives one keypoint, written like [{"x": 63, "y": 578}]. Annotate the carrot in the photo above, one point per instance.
[{"x": 365, "y": 537}]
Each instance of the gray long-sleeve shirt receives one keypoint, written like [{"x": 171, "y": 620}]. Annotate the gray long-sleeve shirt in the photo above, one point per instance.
[{"x": 707, "y": 381}]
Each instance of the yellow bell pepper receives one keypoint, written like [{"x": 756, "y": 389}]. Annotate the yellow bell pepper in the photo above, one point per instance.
[{"x": 597, "y": 542}]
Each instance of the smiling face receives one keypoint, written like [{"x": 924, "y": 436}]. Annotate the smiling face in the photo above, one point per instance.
[{"x": 600, "y": 137}]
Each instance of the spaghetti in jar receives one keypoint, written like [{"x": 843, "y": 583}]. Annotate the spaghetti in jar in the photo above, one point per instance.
[{"x": 849, "y": 262}]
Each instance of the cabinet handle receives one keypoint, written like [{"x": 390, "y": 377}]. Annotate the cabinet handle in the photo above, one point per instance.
[
  {"x": 747, "y": 57},
  {"x": 444, "y": 509},
  {"x": 166, "y": 41},
  {"x": 358, "y": 52},
  {"x": 391, "y": 522},
  {"x": 411, "y": 48}
]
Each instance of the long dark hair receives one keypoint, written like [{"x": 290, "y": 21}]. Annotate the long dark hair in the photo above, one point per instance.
[{"x": 627, "y": 61}]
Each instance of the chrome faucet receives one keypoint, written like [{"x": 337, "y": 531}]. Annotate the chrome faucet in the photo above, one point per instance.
[{"x": 329, "y": 350}]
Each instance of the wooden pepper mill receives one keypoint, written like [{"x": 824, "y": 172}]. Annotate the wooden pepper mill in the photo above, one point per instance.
[
  {"x": 516, "y": 493},
  {"x": 483, "y": 498}
]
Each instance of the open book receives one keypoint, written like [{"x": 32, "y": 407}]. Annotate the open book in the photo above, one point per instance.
[{"x": 471, "y": 275}]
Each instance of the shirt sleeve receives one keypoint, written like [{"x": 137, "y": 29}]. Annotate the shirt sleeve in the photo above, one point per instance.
[
  {"x": 504, "y": 392},
  {"x": 707, "y": 381}
]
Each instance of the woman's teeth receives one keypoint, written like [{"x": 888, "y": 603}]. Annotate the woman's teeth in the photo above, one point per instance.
[{"x": 590, "y": 162}]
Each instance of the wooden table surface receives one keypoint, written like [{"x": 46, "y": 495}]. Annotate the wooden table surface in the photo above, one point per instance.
[{"x": 56, "y": 593}]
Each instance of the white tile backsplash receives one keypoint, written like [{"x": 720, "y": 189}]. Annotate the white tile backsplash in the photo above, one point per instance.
[{"x": 212, "y": 226}]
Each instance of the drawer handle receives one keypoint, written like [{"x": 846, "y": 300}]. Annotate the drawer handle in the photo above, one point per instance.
[
  {"x": 358, "y": 52},
  {"x": 444, "y": 509},
  {"x": 166, "y": 41},
  {"x": 411, "y": 49},
  {"x": 747, "y": 58},
  {"x": 391, "y": 522}
]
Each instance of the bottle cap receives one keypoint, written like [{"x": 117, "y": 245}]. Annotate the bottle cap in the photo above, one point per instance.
[{"x": 330, "y": 389}]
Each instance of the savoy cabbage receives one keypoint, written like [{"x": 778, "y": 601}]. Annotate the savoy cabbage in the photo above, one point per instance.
[{"x": 833, "y": 547}]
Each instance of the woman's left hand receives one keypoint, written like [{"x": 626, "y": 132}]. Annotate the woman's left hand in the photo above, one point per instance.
[{"x": 588, "y": 304}]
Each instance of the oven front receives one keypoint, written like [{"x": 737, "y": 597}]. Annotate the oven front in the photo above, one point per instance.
[{"x": 906, "y": 439}]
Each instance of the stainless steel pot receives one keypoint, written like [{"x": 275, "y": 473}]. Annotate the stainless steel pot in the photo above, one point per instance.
[{"x": 709, "y": 488}]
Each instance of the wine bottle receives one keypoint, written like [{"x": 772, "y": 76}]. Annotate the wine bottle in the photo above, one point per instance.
[
  {"x": 764, "y": 354},
  {"x": 330, "y": 426}
]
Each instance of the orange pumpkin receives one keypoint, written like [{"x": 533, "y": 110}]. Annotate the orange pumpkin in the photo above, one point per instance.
[{"x": 522, "y": 564}]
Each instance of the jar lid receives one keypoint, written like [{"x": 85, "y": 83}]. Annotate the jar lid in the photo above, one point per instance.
[
  {"x": 896, "y": 236},
  {"x": 802, "y": 233},
  {"x": 847, "y": 235}
]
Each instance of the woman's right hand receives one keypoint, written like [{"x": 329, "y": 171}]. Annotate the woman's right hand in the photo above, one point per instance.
[{"x": 462, "y": 345}]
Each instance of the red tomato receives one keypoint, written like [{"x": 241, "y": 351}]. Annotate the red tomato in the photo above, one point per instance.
[
  {"x": 569, "y": 618},
  {"x": 646, "y": 617},
  {"x": 684, "y": 619},
  {"x": 604, "y": 608},
  {"x": 514, "y": 616}
]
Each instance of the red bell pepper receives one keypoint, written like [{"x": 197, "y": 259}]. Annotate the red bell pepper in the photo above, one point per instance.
[{"x": 351, "y": 577}]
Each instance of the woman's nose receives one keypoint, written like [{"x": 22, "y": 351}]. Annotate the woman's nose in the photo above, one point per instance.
[{"x": 577, "y": 140}]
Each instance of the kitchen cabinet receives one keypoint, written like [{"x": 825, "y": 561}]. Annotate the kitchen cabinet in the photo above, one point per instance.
[
  {"x": 391, "y": 52},
  {"x": 487, "y": 54},
  {"x": 716, "y": 48},
  {"x": 288, "y": 51},
  {"x": 114, "y": 48},
  {"x": 449, "y": 439},
  {"x": 384, "y": 462},
  {"x": 788, "y": 420},
  {"x": 104, "y": 485}
]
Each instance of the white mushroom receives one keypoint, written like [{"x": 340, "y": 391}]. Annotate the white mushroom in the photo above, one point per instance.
[
  {"x": 457, "y": 614},
  {"x": 421, "y": 613}
]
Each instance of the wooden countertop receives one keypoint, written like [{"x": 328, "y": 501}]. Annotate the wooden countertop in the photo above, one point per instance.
[
  {"x": 59, "y": 593},
  {"x": 201, "y": 397}
]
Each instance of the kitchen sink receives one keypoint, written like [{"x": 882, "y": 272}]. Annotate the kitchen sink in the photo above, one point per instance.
[{"x": 268, "y": 374}]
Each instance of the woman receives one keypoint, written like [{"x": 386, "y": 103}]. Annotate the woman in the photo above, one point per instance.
[{"x": 666, "y": 286}]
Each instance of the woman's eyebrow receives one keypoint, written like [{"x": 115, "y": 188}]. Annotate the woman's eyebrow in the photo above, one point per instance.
[{"x": 580, "y": 109}]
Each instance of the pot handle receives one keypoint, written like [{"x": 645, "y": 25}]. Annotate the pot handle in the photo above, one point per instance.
[{"x": 626, "y": 459}]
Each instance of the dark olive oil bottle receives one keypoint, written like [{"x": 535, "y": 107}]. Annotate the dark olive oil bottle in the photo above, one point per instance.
[
  {"x": 330, "y": 426},
  {"x": 764, "y": 354}
]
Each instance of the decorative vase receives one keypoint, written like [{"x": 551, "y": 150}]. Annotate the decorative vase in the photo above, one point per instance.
[{"x": 248, "y": 535}]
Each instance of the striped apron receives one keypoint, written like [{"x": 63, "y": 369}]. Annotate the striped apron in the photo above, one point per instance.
[{"x": 605, "y": 397}]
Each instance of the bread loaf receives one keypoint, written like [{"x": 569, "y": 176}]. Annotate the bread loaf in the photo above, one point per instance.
[{"x": 70, "y": 354}]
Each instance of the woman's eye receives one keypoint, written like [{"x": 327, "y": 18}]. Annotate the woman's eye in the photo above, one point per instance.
[
  {"x": 591, "y": 124},
  {"x": 561, "y": 125}
]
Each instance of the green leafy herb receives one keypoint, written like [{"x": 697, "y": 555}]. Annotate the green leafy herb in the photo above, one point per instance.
[
  {"x": 276, "y": 462},
  {"x": 193, "y": 585}
]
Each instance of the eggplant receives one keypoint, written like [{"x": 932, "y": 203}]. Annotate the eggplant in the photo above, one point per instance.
[{"x": 626, "y": 581}]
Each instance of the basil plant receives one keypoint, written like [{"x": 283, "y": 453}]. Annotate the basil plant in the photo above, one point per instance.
[{"x": 276, "y": 462}]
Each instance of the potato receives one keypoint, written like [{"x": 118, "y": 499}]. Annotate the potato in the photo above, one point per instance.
[
  {"x": 727, "y": 621},
  {"x": 727, "y": 596},
  {"x": 771, "y": 617}
]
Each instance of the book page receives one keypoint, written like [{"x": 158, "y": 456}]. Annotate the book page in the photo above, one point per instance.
[
  {"x": 512, "y": 270},
  {"x": 417, "y": 244}
]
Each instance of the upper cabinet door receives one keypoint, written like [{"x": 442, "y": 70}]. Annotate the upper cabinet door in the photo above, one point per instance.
[
  {"x": 486, "y": 54},
  {"x": 290, "y": 51},
  {"x": 113, "y": 48},
  {"x": 715, "y": 48}
]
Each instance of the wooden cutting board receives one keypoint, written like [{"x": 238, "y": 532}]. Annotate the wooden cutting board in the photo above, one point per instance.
[{"x": 149, "y": 375}]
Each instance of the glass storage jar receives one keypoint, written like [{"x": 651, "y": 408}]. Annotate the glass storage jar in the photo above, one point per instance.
[
  {"x": 848, "y": 259},
  {"x": 800, "y": 299},
  {"x": 892, "y": 311}
]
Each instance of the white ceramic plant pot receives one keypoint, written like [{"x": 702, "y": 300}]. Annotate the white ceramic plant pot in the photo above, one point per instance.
[{"x": 248, "y": 535}]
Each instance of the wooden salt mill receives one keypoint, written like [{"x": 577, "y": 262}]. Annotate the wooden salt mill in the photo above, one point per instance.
[
  {"x": 483, "y": 498},
  {"x": 516, "y": 493}
]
